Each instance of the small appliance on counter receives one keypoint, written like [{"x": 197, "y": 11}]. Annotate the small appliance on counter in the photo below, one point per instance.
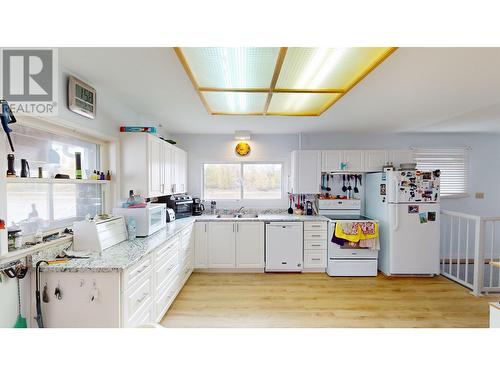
[
  {"x": 149, "y": 219},
  {"x": 181, "y": 204},
  {"x": 170, "y": 215},
  {"x": 198, "y": 207}
]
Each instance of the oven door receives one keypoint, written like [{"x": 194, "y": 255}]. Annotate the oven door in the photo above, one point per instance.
[
  {"x": 157, "y": 218},
  {"x": 183, "y": 209}
]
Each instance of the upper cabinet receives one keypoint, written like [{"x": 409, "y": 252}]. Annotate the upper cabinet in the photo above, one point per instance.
[
  {"x": 305, "y": 172},
  {"x": 150, "y": 166},
  {"x": 342, "y": 161},
  {"x": 397, "y": 157},
  {"x": 362, "y": 160},
  {"x": 375, "y": 160}
]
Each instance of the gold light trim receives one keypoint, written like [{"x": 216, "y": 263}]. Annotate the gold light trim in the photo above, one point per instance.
[{"x": 294, "y": 81}]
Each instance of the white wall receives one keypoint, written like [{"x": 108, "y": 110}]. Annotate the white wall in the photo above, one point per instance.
[{"x": 484, "y": 157}]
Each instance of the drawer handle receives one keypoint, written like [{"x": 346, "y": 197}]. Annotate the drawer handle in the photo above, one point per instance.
[
  {"x": 315, "y": 245},
  {"x": 141, "y": 270},
  {"x": 315, "y": 235},
  {"x": 316, "y": 226},
  {"x": 139, "y": 300},
  {"x": 316, "y": 258}
]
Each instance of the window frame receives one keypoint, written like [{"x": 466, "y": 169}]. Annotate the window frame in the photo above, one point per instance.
[
  {"x": 466, "y": 155},
  {"x": 249, "y": 202}
]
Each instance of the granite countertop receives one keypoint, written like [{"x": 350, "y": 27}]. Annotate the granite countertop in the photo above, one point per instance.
[
  {"x": 264, "y": 217},
  {"x": 122, "y": 255},
  {"x": 127, "y": 253}
]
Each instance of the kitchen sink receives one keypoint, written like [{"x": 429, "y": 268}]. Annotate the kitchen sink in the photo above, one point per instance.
[
  {"x": 246, "y": 216},
  {"x": 237, "y": 216}
]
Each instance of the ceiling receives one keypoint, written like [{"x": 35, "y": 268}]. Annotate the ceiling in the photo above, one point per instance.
[{"x": 414, "y": 90}]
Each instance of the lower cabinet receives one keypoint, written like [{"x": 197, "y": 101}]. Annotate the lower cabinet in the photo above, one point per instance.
[
  {"x": 221, "y": 245},
  {"x": 229, "y": 244},
  {"x": 138, "y": 295},
  {"x": 249, "y": 245}
]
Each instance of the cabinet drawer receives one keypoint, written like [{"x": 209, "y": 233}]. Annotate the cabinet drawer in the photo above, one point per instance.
[
  {"x": 135, "y": 273},
  {"x": 138, "y": 298},
  {"x": 355, "y": 267},
  {"x": 315, "y": 235},
  {"x": 315, "y": 245},
  {"x": 165, "y": 297},
  {"x": 166, "y": 250},
  {"x": 315, "y": 225},
  {"x": 314, "y": 258},
  {"x": 165, "y": 270}
]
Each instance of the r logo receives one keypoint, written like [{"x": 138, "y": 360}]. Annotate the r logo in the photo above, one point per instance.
[{"x": 27, "y": 75}]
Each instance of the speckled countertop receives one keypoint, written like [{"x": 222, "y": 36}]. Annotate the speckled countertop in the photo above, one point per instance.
[{"x": 125, "y": 254}]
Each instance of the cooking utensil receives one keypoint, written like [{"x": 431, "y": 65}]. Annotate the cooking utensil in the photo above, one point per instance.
[
  {"x": 290, "y": 209},
  {"x": 21, "y": 320},
  {"x": 328, "y": 183},
  {"x": 356, "y": 190},
  {"x": 344, "y": 188}
]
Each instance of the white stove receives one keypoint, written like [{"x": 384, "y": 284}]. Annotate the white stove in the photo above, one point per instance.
[{"x": 345, "y": 260}]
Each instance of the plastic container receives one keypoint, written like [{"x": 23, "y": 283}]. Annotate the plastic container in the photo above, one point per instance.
[{"x": 131, "y": 228}]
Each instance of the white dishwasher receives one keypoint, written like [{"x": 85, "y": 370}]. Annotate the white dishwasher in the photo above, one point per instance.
[{"x": 284, "y": 247}]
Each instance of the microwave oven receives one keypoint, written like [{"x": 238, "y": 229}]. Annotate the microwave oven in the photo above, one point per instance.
[{"x": 149, "y": 219}]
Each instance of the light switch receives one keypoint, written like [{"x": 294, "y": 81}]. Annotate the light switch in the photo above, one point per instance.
[{"x": 479, "y": 195}]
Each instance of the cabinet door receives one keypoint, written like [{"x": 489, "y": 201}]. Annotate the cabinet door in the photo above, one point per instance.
[
  {"x": 183, "y": 171},
  {"x": 179, "y": 170},
  {"x": 307, "y": 172},
  {"x": 354, "y": 160},
  {"x": 201, "y": 245},
  {"x": 401, "y": 156},
  {"x": 221, "y": 245},
  {"x": 375, "y": 160},
  {"x": 331, "y": 160},
  {"x": 249, "y": 245},
  {"x": 167, "y": 167},
  {"x": 155, "y": 167}
]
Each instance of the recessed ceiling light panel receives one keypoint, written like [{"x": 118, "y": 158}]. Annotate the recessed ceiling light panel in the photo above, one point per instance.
[{"x": 277, "y": 81}]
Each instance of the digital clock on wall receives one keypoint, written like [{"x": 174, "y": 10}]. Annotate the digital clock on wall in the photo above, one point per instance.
[{"x": 81, "y": 98}]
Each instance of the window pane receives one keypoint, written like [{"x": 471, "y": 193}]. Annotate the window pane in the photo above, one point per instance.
[
  {"x": 54, "y": 153},
  {"x": 29, "y": 205},
  {"x": 262, "y": 181},
  {"x": 221, "y": 181}
]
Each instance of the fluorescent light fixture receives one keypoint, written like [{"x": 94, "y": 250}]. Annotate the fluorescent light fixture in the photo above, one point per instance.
[
  {"x": 277, "y": 81},
  {"x": 242, "y": 135}
]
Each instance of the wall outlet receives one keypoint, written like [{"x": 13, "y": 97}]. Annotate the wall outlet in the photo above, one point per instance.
[{"x": 479, "y": 195}]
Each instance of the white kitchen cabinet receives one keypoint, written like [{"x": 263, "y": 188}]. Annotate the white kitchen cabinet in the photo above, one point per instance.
[
  {"x": 249, "y": 245},
  {"x": 151, "y": 166},
  {"x": 306, "y": 172},
  {"x": 354, "y": 160},
  {"x": 331, "y": 160},
  {"x": 221, "y": 244},
  {"x": 139, "y": 294},
  {"x": 401, "y": 156},
  {"x": 375, "y": 160},
  {"x": 201, "y": 245},
  {"x": 179, "y": 180},
  {"x": 155, "y": 154}
]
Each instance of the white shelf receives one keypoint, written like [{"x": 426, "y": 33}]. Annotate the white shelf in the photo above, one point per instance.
[{"x": 32, "y": 180}]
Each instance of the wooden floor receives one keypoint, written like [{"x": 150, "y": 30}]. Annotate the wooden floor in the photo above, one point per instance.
[{"x": 316, "y": 300}]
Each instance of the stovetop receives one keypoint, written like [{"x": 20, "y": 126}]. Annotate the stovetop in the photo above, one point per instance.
[{"x": 347, "y": 217}]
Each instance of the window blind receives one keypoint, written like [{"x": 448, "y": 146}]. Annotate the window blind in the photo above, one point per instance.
[{"x": 454, "y": 166}]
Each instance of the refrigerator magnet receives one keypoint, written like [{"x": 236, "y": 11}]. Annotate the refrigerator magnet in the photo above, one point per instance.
[
  {"x": 423, "y": 217},
  {"x": 413, "y": 209},
  {"x": 431, "y": 216},
  {"x": 383, "y": 189}
]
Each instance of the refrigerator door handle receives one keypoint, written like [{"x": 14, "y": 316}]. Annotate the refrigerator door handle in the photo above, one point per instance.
[
  {"x": 396, "y": 190},
  {"x": 395, "y": 227}
]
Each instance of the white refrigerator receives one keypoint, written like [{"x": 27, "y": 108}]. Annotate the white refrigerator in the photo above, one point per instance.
[{"x": 406, "y": 203}]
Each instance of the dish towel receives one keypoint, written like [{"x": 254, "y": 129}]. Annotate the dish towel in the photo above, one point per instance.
[{"x": 356, "y": 231}]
